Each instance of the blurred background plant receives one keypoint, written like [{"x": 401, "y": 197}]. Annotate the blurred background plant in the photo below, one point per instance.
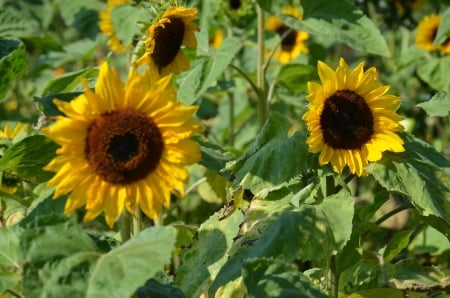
[{"x": 260, "y": 217}]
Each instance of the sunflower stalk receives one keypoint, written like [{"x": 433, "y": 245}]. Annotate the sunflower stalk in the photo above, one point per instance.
[
  {"x": 332, "y": 280},
  {"x": 125, "y": 226},
  {"x": 260, "y": 77}
]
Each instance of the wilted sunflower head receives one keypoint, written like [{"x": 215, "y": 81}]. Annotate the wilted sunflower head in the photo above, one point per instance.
[
  {"x": 107, "y": 27},
  {"x": 293, "y": 41},
  {"x": 426, "y": 33},
  {"x": 123, "y": 145},
  {"x": 351, "y": 118},
  {"x": 166, "y": 38}
]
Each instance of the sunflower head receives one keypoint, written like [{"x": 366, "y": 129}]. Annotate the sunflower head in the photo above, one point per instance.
[
  {"x": 293, "y": 41},
  {"x": 107, "y": 27},
  {"x": 426, "y": 33},
  {"x": 124, "y": 145},
  {"x": 216, "y": 39},
  {"x": 166, "y": 37},
  {"x": 351, "y": 118}
]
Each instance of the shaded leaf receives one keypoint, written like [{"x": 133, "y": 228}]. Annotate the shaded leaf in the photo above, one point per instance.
[
  {"x": 13, "y": 63},
  {"x": 208, "y": 254},
  {"x": 438, "y": 105},
  {"x": 207, "y": 70},
  {"x": 120, "y": 272},
  {"x": 376, "y": 293},
  {"x": 422, "y": 174},
  {"x": 259, "y": 166},
  {"x": 274, "y": 278},
  {"x": 9, "y": 248},
  {"x": 294, "y": 77},
  {"x": 443, "y": 31},
  {"x": 340, "y": 22},
  {"x": 434, "y": 72},
  {"x": 15, "y": 24},
  {"x": 399, "y": 242},
  {"x": 68, "y": 81},
  {"x": 214, "y": 157},
  {"x": 26, "y": 158},
  {"x": 48, "y": 106}
]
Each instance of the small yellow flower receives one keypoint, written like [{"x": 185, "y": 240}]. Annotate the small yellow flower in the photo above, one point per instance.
[
  {"x": 351, "y": 118},
  {"x": 293, "y": 44},
  {"x": 107, "y": 27},
  {"x": 124, "y": 145},
  {"x": 165, "y": 39},
  {"x": 426, "y": 33}
]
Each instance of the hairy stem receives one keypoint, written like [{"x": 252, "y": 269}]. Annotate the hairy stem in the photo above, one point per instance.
[{"x": 260, "y": 78}]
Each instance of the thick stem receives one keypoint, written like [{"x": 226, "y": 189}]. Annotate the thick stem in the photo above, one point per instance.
[
  {"x": 260, "y": 78},
  {"x": 125, "y": 226},
  {"x": 393, "y": 212},
  {"x": 333, "y": 278}
]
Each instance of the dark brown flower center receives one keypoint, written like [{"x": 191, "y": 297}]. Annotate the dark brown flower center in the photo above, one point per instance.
[
  {"x": 290, "y": 37},
  {"x": 346, "y": 120},
  {"x": 168, "y": 40},
  {"x": 123, "y": 146}
]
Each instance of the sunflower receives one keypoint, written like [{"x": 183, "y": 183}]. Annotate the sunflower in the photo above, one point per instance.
[
  {"x": 107, "y": 27},
  {"x": 216, "y": 39},
  {"x": 293, "y": 43},
  {"x": 426, "y": 32},
  {"x": 165, "y": 39},
  {"x": 126, "y": 144},
  {"x": 351, "y": 118}
]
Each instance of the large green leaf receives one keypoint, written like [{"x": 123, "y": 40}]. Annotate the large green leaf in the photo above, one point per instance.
[
  {"x": 294, "y": 77},
  {"x": 9, "y": 248},
  {"x": 214, "y": 157},
  {"x": 68, "y": 81},
  {"x": 434, "y": 71},
  {"x": 443, "y": 31},
  {"x": 438, "y": 105},
  {"x": 310, "y": 233},
  {"x": 422, "y": 174},
  {"x": 273, "y": 158},
  {"x": 340, "y": 22},
  {"x": 206, "y": 71},
  {"x": 15, "y": 24},
  {"x": 26, "y": 158},
  {"x": 274, "y": 278},
  {"x": 12, "y": 63},
  {"x": 120, "y": 272},
  {"x": 399, "y": 242},
  {"x": 126, "y": 19},
  {"x": 208, "y": 254}
]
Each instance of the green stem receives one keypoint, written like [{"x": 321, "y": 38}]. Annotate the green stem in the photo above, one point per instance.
[
  {"x": 246, "y": 77},
  {"x": 125, "y": 226},
  {"x": 392, "y": 213},
  {"x": 231, "y": 119},
  {"x": 333, "y": 278},
  {"x": 260, "y": 78}
]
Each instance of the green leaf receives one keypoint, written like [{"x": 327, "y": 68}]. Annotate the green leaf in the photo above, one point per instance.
[
  {"x": 399, "y": 241},
  {"x": 422, "y": 174},
  {"x": 443, "y": 31},
  {"x": 9, "y": 248},
  {"x": 434, "y": 71},
  {"x": 70, "y": 10},
  {"x": 259, "y": 166},
  {"x": 13, "y": 63},
  {"x": 340, "y": 22},
  {"x": 208, "y": 254},
  {"x": 265, "y": 4},
  {"x": 438, "y": 105},
  {"x": 214, "y": 157},
  {"x": 376, "y": 293},
  {"x": 125, "y": 19},
  {"x": 68, "y": 81},
  {"x": 273, "y": 278},
  {"x": 155, "y": 289},
  {"x": 207, "y": 70},
  {"x": 294, "y": 77},
  {"x": 120, "y": 272},
  {"x": 26, "y": 158},
  {"x": 319, "y": 230},
  {"x": 15, "y": 24}
]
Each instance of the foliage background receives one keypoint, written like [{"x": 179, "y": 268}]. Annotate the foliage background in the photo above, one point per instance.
[{"x": 258, "y": 218}]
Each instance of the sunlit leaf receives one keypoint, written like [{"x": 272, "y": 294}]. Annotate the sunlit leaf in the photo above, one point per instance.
[
  {"x": 126, "y": 19},
  {"x": 26, "y": 158},
  {"x": 15, "y": 24},
  {"x": 310, "y": 232},
  {"x": 208, "y": 254},
  {"x": 438, "y": 105},
  {"x": 422, "y": 174},
  {"x": 294, "y": 77},
  {"x": 376, "y": 293},
  {"x": 443, "y": 31},
  {"x": 340, "y": 22},
  {"x": 273, "y": 278},
  {"x": 13, "y": 63},
  {"x": 206, "y": 71},
  {"x": 9, "y": 248},
  {"x": 68, "y": 81},
  {"x": 434, "y": 72},
  {"x": 260, "y": 166}
]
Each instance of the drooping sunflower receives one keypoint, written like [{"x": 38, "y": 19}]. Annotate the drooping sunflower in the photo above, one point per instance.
[
  {"x": 293, "y": 44},
  {"x": 124, "y": 145},
  {"x": 165, "y": 39},
  {"x": 351, "y": 118},
  {"x": 426, "y": 32},
  {"x": 107, "y": 27}
]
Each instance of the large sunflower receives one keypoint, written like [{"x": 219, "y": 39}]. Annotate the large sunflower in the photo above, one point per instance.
[
  {"x": 351, "y": 118},
  {"x": 293, "y": 44},
  {"x": 165, "y": 39},
  {"x": 123, "y": 145},
  {"x": 426, "y": 32},
  {"x": 107, "y": 27}
]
